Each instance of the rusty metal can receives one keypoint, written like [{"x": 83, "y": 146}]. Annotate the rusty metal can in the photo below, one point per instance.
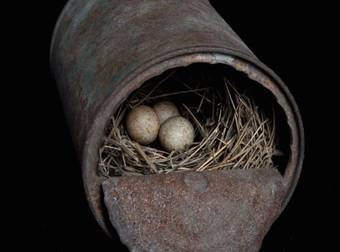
[{"x": 102, "y": 50}]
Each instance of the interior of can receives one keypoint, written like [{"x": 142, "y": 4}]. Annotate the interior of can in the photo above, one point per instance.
[
  {"x": 247, "y": 78},
  {"x": 206, "y": 95}
]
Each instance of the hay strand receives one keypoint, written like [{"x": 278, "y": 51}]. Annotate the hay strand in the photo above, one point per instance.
[{"x": 231, "y": 133}]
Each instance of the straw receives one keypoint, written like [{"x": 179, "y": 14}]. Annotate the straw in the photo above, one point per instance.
[{"x": 231, "y": 133}]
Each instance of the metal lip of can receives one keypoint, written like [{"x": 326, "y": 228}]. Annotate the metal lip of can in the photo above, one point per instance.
[{"x": 202, "y": 42}]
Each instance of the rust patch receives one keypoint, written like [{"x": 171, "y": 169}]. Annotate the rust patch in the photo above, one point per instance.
[
  {"x": 103, "y": 52},
  {"x": 209, "y": 211}
]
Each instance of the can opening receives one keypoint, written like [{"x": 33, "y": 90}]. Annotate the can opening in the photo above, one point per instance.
[{"x": 238, "y": 125}]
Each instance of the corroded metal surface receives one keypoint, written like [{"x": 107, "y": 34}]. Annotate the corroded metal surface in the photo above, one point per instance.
[
  {"x": 209, "y": 211},
  {"x": 102, "y": 50}
]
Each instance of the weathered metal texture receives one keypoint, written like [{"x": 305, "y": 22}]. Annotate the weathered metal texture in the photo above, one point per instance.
[
  {"x": 208, "y": 211},
  {"x": 102, "y": 50}
]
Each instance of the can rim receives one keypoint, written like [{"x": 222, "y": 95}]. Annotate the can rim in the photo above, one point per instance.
[{"x": 182, "y": 58}]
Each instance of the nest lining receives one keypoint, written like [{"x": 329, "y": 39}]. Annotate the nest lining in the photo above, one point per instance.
[{"x": 231, "y": 132}]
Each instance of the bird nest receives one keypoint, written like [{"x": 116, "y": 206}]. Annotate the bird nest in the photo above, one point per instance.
[{"x": 231, "y": 131}]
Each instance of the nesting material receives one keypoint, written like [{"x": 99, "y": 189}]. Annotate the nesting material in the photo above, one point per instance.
[{"x": 230, "y": 131}]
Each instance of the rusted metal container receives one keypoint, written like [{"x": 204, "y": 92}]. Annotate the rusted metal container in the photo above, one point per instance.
[{"x": 101, "y": 51}]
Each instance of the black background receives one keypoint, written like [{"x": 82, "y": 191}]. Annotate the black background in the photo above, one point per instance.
[{"x": 284, "y": 36}]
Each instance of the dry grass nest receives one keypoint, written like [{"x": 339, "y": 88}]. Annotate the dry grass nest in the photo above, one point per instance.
[{"x": 231, "y": 132}]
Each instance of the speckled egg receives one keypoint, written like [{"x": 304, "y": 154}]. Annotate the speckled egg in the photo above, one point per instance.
[
  {"x": 176, "y": 134},
  {"x": 142, "y": 124},
  {"x": 165, "y": 110}
]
